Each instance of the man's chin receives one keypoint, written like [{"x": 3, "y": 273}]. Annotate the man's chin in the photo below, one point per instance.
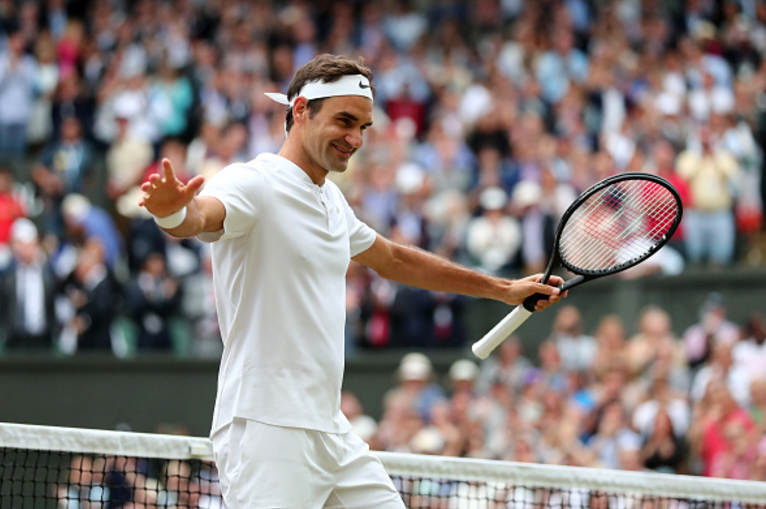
[{"x": 339, "y": 167}]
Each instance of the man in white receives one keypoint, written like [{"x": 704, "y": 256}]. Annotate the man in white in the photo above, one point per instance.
[{"x": 283, "y": 238}]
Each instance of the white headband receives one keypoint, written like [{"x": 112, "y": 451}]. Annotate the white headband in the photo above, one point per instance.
[{"x": 355, "y": 84}]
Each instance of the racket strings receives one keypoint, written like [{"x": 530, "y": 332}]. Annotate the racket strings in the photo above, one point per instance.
[
  {"x": 625, "y": 224},
  {"x": 622, "y": 222},
  {"x": 624, "y": 219},
  {"x": 599, "y": 247}
]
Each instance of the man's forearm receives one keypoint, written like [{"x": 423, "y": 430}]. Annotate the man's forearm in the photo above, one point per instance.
[{"x": 422, "y": 269}]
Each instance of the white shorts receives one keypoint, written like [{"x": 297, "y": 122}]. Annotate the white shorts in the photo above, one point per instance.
[{"x": 272, "y": 467}]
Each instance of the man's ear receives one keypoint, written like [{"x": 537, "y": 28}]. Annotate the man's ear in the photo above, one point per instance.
[{"x": 300, "y": 109}]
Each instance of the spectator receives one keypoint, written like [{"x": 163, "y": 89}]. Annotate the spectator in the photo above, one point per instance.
[
  {"x": 507, "y": 367},
  {"x": 713, "y": 328},
  {"x": 654, "y": 332},
  {"x": 493, "y": 239},
  {"x": 709, "y": 224},
  {"x": 558, "y": 67},
  {"x": 153, "y": 299},
  {"x": 66, "y": 166},
  {"x": 575, "y": 347},
  {"x": 27, "y": 293},
  {"x": 712, "y": 415},
  {"x": 612, "y": 435},
  {"x": 17, "y": 76},
  {"x": 463, "y": 374},
  {"x": 720, "y": 368},
  {"x": 664, "y": 449},
  {"x": 750, "y": 352},
  {"x": 12, "y": 207},
  {"x": 84, "y": 221},
  {"x": 40, "y": 125},
  {"x": 416, "y": 388},
  {"x": 90, "y": 292},
  {"x": 129, "y": 154}
]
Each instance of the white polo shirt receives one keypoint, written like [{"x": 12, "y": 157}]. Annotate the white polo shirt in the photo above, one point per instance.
[{"x": 279, "y": 270}]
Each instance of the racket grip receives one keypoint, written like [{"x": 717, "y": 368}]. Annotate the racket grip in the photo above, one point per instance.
[{"x": 500, "y": 332}]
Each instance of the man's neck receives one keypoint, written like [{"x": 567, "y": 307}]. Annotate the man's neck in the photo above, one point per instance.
[{"x": 294, "y": 152}]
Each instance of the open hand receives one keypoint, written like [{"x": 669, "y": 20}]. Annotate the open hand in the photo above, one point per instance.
[{"x": 164, "y": 194}]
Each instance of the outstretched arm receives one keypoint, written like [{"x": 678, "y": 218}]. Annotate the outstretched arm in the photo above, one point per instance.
[
  {"x": 163, "y": 195},
  {"x": 422, "y": 269}
]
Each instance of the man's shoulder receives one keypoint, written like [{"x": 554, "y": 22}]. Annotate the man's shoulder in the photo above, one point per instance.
[{"x": 253, "y": 169}]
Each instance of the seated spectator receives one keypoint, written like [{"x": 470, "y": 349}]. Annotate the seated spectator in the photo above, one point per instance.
[
  {"x": 575, "y": 347},
  {"x": 713, "y": 328},
  {"x": 721, "y": 368},
  {"x": 90, "y": 293},
  {"x": 611, "y": 346},
  {"x": 493, "y": 239},
  {"x": 228, "y": 148},
  {"x": 507, "y": 366},
  {"x": 664, "y": 449},
  {"x": 12, "y": 207},
  {"x": 65, "y": 166},
  {"x": 712, "y": 415},
  {"x": 416, "y": 386},
  {"x": 662, "y": 399},
  {"x": 654, "y": 331},
  {"x": 85, "y": 220},
  {"x": 27, "y": 293},
  {"x": 129, "y": 154},
  {"x": 152, "y": 300},
  {"x": 750, "y": 351},
  {"x": 612, "y": 435}
]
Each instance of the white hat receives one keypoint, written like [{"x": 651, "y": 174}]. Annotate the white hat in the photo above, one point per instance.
[
  {"x": 364, "y": 427},
  {"x": 409, "y": 178},
  {"x": 75, "y": 207},
  {"x": 527, "y": 193},
  {"x": 493, "y": 198},
  {"x": 415, "y": 366},
  {"x": 463, "y": 369},
  {"x": 23, "y": 230},
  {"x": 428, "y": 440}
]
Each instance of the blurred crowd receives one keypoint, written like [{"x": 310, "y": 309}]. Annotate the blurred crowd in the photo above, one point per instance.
[
  {"x": 491, "y": 116},
  {"x": 694, "y": 404}
]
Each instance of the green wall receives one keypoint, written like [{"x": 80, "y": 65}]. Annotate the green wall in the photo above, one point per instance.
[{"x": 97, "y": 392}]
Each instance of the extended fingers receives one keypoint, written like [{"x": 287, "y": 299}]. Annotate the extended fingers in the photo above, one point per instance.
[
  {"x": 167, "y": 170},
  {"x": 195, "y": 184}
]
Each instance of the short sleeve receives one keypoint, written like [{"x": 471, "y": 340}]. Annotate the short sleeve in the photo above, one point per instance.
[
  {"x": 360, "y": 236},
  {"x": 241, "y": 190}
]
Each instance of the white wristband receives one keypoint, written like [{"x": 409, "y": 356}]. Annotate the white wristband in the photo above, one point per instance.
[{"x": 173, "y": 220}]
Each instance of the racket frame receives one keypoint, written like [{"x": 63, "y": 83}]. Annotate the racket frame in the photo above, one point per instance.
[{"x": 585, "y": 275}]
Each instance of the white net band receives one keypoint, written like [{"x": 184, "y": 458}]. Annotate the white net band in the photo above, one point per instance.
[{"x": 413, "y": 474}]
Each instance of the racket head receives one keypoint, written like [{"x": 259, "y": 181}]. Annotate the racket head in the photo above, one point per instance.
[{"x": 616, "y": 224}]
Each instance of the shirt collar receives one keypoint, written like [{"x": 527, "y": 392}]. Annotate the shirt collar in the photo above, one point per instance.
[{"x": 289, "y": 167}]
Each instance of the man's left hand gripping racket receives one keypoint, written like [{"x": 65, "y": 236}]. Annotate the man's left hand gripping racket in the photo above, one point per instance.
[{"x": 614, "y": 225}]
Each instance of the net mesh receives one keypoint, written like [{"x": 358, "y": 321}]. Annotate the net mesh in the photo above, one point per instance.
[
  {"x": 43, "y": 467},
  {"x": 618, "y": 225}
]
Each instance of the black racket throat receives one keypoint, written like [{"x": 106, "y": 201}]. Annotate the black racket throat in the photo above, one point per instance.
[{"x": 652, "y": 197}]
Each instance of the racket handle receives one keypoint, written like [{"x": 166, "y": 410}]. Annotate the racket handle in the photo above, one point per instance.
[{"x": 500, "y": 332}]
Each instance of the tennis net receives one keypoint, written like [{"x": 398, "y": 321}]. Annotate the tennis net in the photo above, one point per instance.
[{"x": 66, "y": 468}]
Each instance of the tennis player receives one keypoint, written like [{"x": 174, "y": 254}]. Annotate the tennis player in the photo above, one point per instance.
[{"x": 283, "y": 237}]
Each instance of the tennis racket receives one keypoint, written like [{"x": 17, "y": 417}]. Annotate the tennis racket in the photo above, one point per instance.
[{"x": 615, "y": 224}]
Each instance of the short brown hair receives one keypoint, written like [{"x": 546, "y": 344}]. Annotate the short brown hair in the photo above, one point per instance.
[{"x": 327, "y": 68}]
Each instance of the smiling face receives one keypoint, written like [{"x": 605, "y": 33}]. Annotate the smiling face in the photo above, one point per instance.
[{"x": 333, "y": 134}]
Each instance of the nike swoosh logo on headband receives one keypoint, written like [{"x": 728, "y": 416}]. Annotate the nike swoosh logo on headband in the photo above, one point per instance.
[{"x": 362, "y": 85}]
